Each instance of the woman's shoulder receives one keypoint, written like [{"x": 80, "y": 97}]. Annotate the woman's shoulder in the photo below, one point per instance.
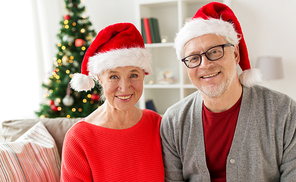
[
  {"x": 150, "y": 113},
  {"x": 80, "y": 127},
  {"x": 151, "y": 116}
]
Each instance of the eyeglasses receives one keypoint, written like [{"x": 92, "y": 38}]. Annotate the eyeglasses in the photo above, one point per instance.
[{"x": 213, "y": 54}]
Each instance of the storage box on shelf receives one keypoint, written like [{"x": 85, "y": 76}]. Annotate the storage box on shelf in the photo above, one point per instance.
[{"x": 170, "y": 82}]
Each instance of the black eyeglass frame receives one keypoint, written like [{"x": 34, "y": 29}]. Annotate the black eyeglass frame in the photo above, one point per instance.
[{"x": 205, "y": 53}]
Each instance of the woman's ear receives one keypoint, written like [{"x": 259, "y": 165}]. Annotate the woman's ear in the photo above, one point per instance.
[{"x": 100, "y": 80}]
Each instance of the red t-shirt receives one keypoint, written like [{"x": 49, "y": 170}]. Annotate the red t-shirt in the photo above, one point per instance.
[
  {"x": 219, "y": 130},
  {"x": 94, "y": 153}
]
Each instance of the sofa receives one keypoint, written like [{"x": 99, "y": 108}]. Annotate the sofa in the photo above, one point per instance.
[{"x": 31, "y": 148}]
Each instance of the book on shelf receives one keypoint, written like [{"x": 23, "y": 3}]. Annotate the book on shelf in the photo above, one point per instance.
[
  {"x": 150, "y": 105},
  {"x": 150, "y": 30},
  {"x": 143, "y": 31},
  {"x": 147, "y": 30},
  {"x": 154, "y": 28}
]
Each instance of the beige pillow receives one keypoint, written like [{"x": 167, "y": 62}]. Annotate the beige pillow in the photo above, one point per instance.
[
  {"x": 32, "y": 157},
  {"x": 57, "y": 127}
]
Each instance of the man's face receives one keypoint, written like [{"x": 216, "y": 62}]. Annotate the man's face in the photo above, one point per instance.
[{"x": 213, "y": 78}]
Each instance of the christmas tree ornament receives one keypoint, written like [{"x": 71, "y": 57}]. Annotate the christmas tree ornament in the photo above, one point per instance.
[
  {"x": 76, "y": 64},
  {"x": 57, "y": 101},
  {"x": 79, "y": 42},
  {"x": 50, "y": 102},
  {"x": 66, "y": 23},
  {"x": 82, "y": 30},
  {"x": 65, "y": 60},
  {"x": 95, "y": 97},
  {"x": 54, "y": 108},
  {"x": 70, "y": 39},
  {"x": 68, "y": 100},
  {"x": 67, "y": 17},
  {"x": 89, "y": 37},
  {"x": 65, "y": 38}
]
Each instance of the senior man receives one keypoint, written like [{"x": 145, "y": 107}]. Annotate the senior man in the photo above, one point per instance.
[{"x": 230, "y": 129}]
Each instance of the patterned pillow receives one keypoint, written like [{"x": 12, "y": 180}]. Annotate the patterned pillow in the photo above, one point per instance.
[{"x": 32, "y": 157}]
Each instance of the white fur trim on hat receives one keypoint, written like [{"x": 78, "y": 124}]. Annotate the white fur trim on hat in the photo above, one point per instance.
[
  {"x": 198, "y": 27},
  {"x": 138, "y": 57},
  {"x": 81, "y": 82},
  {"x": 250, "y": 77}
]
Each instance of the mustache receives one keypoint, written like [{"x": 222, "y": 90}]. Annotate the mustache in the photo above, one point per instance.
[{"x": 210, "y": 69}]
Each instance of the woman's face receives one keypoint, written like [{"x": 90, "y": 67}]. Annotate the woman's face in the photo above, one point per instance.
[{"x": 123, "y": 86}]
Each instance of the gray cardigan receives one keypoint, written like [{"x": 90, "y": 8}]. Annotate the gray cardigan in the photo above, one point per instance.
[{"x": 263, "y": 147}]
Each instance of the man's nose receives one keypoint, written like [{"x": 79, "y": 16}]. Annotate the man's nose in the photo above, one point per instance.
[{"x": 205, "y": 61}]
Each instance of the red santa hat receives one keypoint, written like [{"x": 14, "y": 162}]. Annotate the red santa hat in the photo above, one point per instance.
[
  {"x": 117, "y": 45},
  {"x": 217, "y": 18}
]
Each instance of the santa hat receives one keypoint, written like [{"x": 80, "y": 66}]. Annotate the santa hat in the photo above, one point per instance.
[
  {"x": 117, "y": 45},
  {"x": 217, "y": 18}
]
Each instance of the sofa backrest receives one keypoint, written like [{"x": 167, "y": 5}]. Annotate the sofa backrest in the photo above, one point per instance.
[{"x": 57, "y": 127}]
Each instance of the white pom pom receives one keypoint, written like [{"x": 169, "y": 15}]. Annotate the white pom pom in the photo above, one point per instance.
[
  {"x": 250, "y": 77},
  {"x": 81, "y": 82}
]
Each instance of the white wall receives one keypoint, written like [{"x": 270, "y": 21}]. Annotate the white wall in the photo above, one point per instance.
[
  {"x": 105, "y": 12},
  {"x": 269, "y": 28},
  {"x": 19, "y": 93}
]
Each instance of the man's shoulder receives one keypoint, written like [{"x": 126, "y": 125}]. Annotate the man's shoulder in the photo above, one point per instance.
[
  {"x": 181, "y": 111},
  {"x": 262, "y": 96},
  {"x": 267, "y": 94}
]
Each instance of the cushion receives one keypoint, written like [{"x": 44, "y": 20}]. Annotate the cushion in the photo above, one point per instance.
[
  {"x": 57, "y": 127},
  {"x": 32, "y": 157}
]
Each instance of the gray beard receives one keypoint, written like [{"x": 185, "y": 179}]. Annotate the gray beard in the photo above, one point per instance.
[
  {"x": 217, "y": 90},
  {"x": 214, "y": 91}
]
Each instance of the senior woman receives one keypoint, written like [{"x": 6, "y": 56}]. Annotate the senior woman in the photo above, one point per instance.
[{"x": 118, "y": 141}]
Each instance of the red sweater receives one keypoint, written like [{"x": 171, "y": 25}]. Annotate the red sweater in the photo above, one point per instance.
[{"x": 94, "y": 153}]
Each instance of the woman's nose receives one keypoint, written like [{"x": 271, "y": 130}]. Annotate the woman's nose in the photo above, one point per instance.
[{"x": 124, "y": 84}]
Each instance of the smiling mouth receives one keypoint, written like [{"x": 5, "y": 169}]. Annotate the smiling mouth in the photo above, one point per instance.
[
  {"x": 209, "y": 76},
  {"x": 124, "y": 97}
]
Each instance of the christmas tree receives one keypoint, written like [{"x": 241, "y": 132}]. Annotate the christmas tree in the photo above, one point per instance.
[{"x": 75, "y": 37}]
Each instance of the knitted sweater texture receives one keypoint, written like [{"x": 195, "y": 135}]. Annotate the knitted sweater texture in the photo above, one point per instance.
[{"x": 94, "y": 153}]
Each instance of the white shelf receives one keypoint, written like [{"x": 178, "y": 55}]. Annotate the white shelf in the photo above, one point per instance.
[{"x": 171, "y": 15}]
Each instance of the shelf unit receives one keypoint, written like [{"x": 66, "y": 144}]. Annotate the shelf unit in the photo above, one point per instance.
[{"x": 171, "y": 15}]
